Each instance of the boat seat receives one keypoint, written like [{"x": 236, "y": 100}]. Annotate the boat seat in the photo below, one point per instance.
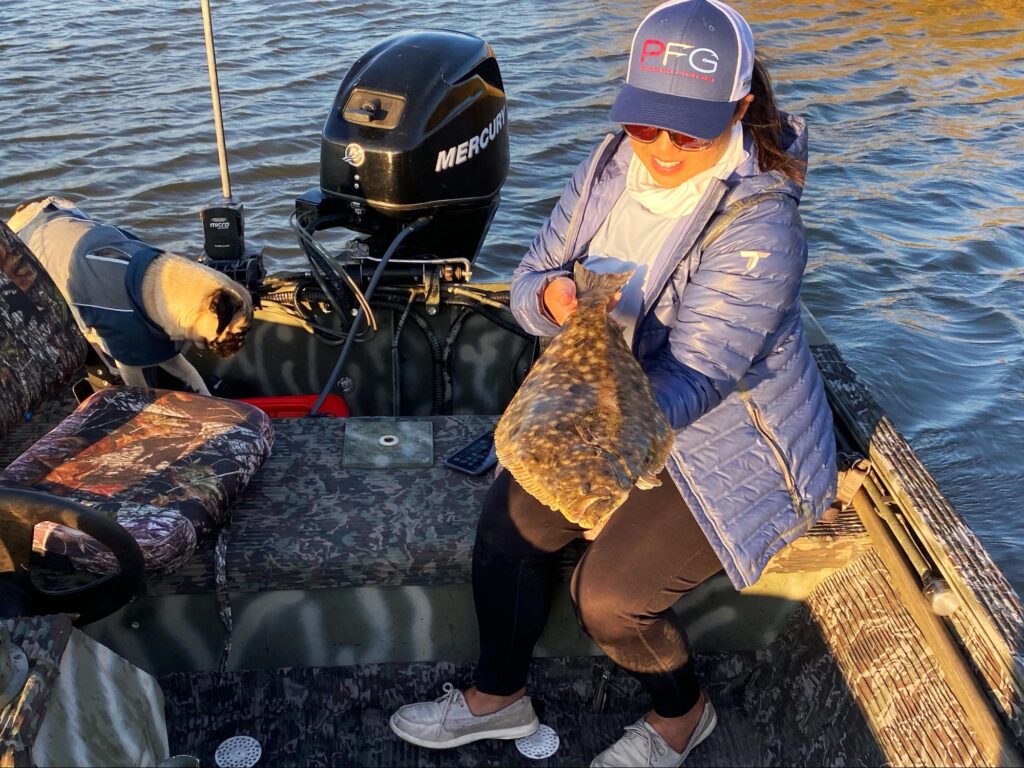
[
  {"x": 40, "y": 345},
  {"x": 167, "y": 466}
]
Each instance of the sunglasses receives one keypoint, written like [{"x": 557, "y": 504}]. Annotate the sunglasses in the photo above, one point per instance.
[{"x": 646, "y": 134}]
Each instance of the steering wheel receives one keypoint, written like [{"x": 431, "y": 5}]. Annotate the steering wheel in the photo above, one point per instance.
[{"x": 20, "y": 511}]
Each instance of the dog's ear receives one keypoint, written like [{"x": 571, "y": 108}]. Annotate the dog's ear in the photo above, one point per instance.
[{"x": 225, "y": 304}]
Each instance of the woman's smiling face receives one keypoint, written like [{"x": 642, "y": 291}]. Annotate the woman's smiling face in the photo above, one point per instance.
[{"x": 670, "y": 166}]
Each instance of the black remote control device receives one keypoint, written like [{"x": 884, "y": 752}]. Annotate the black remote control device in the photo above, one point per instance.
[{"x": 476, "y": 457}]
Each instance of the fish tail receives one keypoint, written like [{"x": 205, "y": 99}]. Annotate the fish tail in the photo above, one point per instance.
[{"x": 598, "y": 283}]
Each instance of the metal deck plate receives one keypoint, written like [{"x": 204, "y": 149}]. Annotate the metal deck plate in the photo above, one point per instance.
[
  {"x": 388, "y": 445},
  {"x": 238, "y": 752},
  {"x": 542, "y": 744}
]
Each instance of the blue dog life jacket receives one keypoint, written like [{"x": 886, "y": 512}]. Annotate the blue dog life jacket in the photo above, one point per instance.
[{"x": 99, "y": 270}]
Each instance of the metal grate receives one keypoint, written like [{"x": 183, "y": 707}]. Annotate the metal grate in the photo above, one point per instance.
[
  {"x": 540, "y": 744},
  {"x": 238, "y": 752}
]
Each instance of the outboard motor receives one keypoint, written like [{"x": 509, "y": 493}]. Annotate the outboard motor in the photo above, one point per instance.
[{"x": 417, "y": 133}]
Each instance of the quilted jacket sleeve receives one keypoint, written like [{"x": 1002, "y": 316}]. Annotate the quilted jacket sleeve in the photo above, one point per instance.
[
  {"x": 543, "y": 262},
  {"x": 747, "y": 281}
]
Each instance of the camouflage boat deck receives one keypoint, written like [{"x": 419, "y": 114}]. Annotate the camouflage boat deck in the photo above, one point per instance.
[
  {"x": 339, "y": 716},
  {"x": 306, "y": 522},
  {"x": 801, "y": 701}
]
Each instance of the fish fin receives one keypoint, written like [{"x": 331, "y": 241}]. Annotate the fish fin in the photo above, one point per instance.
[
  {"x": 646, "y": 482},
  {"x": 603, "y": 284}
]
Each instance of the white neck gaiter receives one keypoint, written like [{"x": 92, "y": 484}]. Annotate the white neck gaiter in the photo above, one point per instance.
[{"x": 680, "y": 201}]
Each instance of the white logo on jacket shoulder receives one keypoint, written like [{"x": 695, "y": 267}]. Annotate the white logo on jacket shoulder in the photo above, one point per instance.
[{"x": 753, "y": 257}]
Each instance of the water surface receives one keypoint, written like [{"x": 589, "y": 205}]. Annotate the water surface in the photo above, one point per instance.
[{"x": 913, "y": 204}]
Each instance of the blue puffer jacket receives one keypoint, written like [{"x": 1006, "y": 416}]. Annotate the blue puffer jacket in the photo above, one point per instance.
[{"x": 720, "y": 338}]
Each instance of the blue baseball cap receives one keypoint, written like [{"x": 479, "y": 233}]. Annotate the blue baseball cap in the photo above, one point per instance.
[{"x": 690, "y": 63}]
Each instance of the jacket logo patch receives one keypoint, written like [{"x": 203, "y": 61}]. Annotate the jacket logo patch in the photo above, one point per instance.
[{"x": 753, "y": 257}]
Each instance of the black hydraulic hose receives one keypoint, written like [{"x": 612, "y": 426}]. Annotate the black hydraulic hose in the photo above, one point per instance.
[
  {"x": 389, "y": 298},
  {"x": 443, "y": 378},
  {"x": 470, "y": 307},
  {"x": 449, "y": 345},
  {"x": 357, "y": 321},
  {"x": 491, "y": 314},
  {"x": 396, "y": 335},
  {"x": 462, "y": 299},
  {"x": 322, "y": 264},
  {"x": 435, "y": 351},
  {"x": 290, "y": 301},
  {"x": 485, "y": 311},
  {"x": 318, "y": 270},
  {"x": 486, "y": 297}
]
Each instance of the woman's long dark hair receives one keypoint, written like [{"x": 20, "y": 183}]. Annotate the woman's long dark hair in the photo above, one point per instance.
[{"x": 765, "y": 126}]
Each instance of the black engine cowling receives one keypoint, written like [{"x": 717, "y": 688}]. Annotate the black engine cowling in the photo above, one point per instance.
[{"x": 419, "y": 127}]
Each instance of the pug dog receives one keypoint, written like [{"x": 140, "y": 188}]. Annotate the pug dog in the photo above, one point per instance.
[{"x": 135, "y": 304}]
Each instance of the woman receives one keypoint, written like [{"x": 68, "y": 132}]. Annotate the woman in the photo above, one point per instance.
[{"x": 698, "y": 192}]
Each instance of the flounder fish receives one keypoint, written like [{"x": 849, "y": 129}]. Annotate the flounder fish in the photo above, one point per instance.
[{"x": 584, "y": 427}]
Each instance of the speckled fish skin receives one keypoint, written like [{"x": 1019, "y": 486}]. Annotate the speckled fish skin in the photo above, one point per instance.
[{"x": 585, "y": 427}]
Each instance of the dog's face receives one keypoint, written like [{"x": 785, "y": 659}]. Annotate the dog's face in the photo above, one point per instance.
[
  {"x": 233, "y": 311},
  {"x": 194, "y": 302}
]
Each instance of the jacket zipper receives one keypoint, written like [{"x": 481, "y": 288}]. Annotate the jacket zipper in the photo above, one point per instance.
[
  {"x": 668, "y": 264},
  {"x": 570, "y": 238},
  {"x": 787, "y": 473}
]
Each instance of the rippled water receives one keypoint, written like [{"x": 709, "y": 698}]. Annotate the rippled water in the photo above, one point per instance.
[{"x": 913, "y": 204}]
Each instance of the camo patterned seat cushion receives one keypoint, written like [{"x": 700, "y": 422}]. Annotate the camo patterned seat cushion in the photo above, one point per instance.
[
  {"x": 167, "y": 466},
  {"x": 40, "y": 345}
]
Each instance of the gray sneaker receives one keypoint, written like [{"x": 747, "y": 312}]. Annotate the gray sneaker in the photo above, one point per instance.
[
  {"x": 643, "y": 746},
  {"x": 447, "y": 721}
]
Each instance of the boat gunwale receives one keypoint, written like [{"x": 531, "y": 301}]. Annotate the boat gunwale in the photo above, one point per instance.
[{"x": 989, "y": 624}]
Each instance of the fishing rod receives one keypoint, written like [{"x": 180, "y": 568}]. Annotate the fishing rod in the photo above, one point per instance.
[
  {"x": 218, "y": 120},
  {"x": 224, "y": 221}
]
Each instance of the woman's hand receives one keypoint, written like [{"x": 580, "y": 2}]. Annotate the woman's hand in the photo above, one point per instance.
[{"x": 559, "y": 297}]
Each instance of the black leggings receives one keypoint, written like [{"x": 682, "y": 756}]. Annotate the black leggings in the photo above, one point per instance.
[{"x": 649, "y": 554}]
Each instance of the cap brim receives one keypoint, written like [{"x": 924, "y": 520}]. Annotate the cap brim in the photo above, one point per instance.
[{"x": 694, "y": 117}]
